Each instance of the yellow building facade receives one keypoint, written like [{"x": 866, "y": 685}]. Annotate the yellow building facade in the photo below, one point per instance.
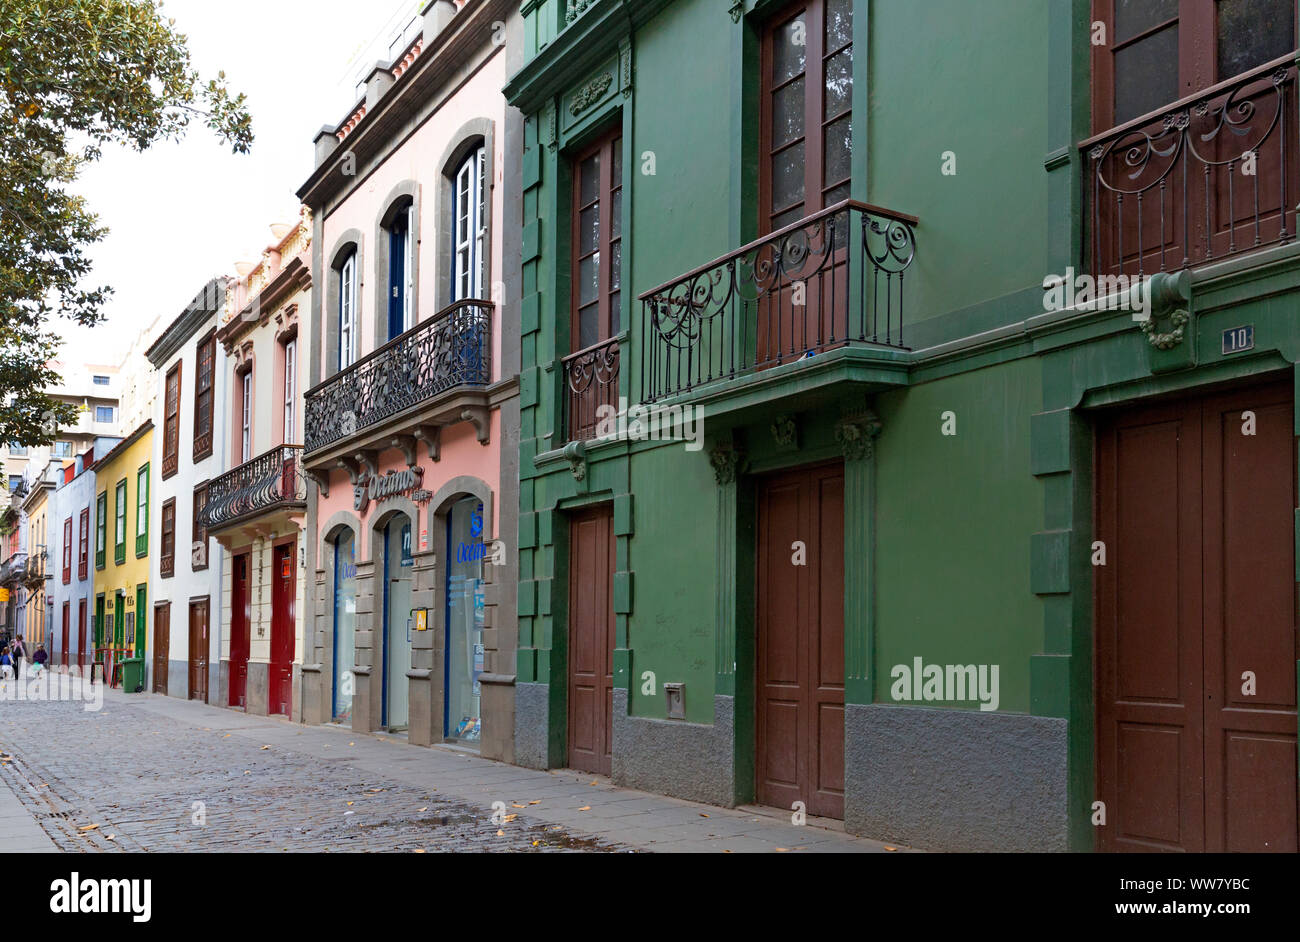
[{"x": 121, "y": 545}]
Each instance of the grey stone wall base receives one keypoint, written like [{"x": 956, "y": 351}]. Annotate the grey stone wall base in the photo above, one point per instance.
[
  {"x": 178, "y": 679},
  {"x": 955, "y": 780},
  {"x": 694, "y": 761},
  {"x": 532, "y": 718}
]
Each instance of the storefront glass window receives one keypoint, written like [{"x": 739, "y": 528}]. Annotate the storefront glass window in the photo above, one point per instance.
[
  {"x": 465, "y": 550},
  {"x": 345, "y": 622}
]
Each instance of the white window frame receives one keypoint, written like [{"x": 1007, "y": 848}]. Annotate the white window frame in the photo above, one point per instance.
[
  {"x": 246, "y": 421},
  {"x": 347, "y": 312},
  {"x": 290, "y": 390},
  {"x": 469, "y": 227},
  {"x": 408, "y": 298}
]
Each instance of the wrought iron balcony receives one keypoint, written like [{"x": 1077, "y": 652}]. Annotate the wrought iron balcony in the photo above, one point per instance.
[
  {"x": 271, "y": 481},
  {"x": 1212, "y": 175},
  {"x": 450, "y": 349},
  {"x": 14, "y": 570},
  {"x": 832, "y": 280},
  {"x": 590, "y": 381}
]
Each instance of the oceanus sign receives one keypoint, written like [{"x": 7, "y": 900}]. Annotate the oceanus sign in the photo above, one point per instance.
[{"x": 383, "y": 487}]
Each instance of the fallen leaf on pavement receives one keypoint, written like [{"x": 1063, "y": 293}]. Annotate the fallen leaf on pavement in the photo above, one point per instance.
[
  {"x": 501, "y": 833},
  {"x": 585, "y": 808},
  {"x": 782, "y": 850},
  {"x": 510, "y": 817},
  {"x": 88, "y": 827},
  {"x": 425, "y": 808},
  {"x": 536, "y": 801},
  {"x": 703, "y": 815},
  {"x": 266, "y": 747},
  {"x": 513, "y": 805},
  {"x": 349, "y": 804},
  {"x": 418, "y": 850},
  {"x": 887, "y": 847}
]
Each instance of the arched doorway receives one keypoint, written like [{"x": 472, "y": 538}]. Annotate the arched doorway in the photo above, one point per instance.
[
  {"x": 345, "y": 625},
  {"x": 463, "y": 643},
  {"x": 398, "y": 562}
]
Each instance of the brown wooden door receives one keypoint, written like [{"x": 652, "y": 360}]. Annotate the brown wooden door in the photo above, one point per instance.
[
  {"x": 1198, "y": 589},
  {"x": 800, "y": 657},
  {"x": 239, "y": 629},
  {"x": 198, "y": 671},
  {"x": 162, "y": 630},
  {"x": 591, "y": 640},
  {"x": 280, "y": 692}
]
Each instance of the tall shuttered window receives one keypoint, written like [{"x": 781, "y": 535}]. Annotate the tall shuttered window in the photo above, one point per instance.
[
  {"x": 101, "y": 529},
  {"x": 83, "y": 544},
  {"x": 167, "y": 541},
  {"x": 204, "y": 377},
  {"x": 171, "y": 422}
]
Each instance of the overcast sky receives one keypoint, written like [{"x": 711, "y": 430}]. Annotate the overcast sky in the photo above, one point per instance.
[{"x": 182, "y": 213}]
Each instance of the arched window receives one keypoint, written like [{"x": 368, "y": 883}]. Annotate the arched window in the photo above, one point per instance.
[
  {"x": 348, "y": 314},
  {"x": 401, "y": 271},
  {"x": 469, "y": 219}
]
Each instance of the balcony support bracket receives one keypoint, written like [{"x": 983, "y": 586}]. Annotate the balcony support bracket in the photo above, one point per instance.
[
  {"x": 322, "y": 480},
  {"x": 408, "y": 445},
  {"x": 368, "y": 460},
  {"x": 352, "y": 468},
  {"x": 431, "y": 435},
  {"x": 482, "y": 423}
]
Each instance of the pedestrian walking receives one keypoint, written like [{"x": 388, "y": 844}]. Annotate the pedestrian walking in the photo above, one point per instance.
[
  {"x": 40, "y": 659},
  {"x": 19, "y": 653},
  {"x": 6, "y": 663}
]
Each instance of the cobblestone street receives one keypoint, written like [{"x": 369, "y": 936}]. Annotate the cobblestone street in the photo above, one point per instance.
[{"x": 153, "y": 773}]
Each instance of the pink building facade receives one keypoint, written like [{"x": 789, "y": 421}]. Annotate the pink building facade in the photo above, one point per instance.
[{"x": 411, "y": 418}]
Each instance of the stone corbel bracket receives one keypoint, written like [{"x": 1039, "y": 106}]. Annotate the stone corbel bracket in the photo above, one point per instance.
[
  {"x": 368, "y": 460},
  {"x": 1169, "y": 295},
  {"x": 482, "y": 421},
  {"x": 576, "y": 454},
  {"x": 322, "y": 479},
  {"x": 431, "y": 435},
  {"x": 408, "y": 446}
]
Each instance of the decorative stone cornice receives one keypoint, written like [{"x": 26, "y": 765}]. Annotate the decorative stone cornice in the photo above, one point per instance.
[
  {"x": 856, "y": 434},
  {"x": 728, "y": 462}
]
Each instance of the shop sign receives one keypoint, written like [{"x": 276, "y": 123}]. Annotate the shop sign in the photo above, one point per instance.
[{"x": 380, "y": 488}]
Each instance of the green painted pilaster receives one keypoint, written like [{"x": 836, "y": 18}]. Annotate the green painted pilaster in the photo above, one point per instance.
[{"x": 857, "y": 434}]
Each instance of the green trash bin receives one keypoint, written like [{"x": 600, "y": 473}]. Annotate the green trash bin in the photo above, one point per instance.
[{"x": 132, "y": 674}]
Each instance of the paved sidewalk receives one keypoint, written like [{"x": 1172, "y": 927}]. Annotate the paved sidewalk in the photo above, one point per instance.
[
  {"x": 583, "y": 805},
  {"x": 19, "y": 832}
]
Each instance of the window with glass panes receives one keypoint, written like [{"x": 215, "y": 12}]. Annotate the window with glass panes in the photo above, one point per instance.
[
  {"x": 119, "y": 523},
  {"x": 597, "y": 241},
  {"x": 101, "y": 529},
  {"x": 1159, "y": 51},
  {"x": 171, "y": 422},
  {"x": 807, "y": 111},
  {"x": 204, "y": 375}
]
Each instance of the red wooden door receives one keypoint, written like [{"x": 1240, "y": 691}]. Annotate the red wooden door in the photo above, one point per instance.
[
  {"x": 199, "y": 641},
  {"x": 282, "y": 612},
  {"x": 591, "y": 640},
  {"x": 81, "y": 634},
  {"x": 1196, "y": 606},
  {"x": 162, "y": 631},
  {"x": 800, "y": 656},
  {"x": 67, "y": 631},
  {"x": 239, "y": 623}
]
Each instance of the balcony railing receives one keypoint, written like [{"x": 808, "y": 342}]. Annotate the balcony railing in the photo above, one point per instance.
[
  {"x": 450, "y": 349},
  {"x": 590, "y": 381},
  {"x": 14, "y": 570},
  {"x": 1212, "y": 175},
  {"x": 831, "y": 280},
  {"x": 271, "y": 481}
]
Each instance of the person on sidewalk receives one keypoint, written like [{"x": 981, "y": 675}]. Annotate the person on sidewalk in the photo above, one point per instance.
[
  {"x": 19, "y": 653},
  {"x": 40, "y": 659},
  {"x": 6, "y": 663}
]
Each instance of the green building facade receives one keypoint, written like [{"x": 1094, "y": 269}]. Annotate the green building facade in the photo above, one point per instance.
[{"x": 889, "y": 382}]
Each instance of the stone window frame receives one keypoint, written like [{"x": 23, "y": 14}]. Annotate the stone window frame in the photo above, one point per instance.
[
  {"x": 350, "y": 241},
  {"x": 474, "y": 133},
  {"x": 404, "y": 194}
]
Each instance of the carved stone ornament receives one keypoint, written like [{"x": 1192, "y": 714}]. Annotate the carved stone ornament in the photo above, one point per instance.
[
  {"x": 590, "y": 93},
  {"x": 784, "y": 430},
  {"x": 727, "y": 461},
  {"x": 856, "y": 435}
]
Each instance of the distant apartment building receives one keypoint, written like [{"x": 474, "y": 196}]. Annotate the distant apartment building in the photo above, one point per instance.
[
  {"x": 94, "y": 391},
  {"x": 139, "y": 380}
]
